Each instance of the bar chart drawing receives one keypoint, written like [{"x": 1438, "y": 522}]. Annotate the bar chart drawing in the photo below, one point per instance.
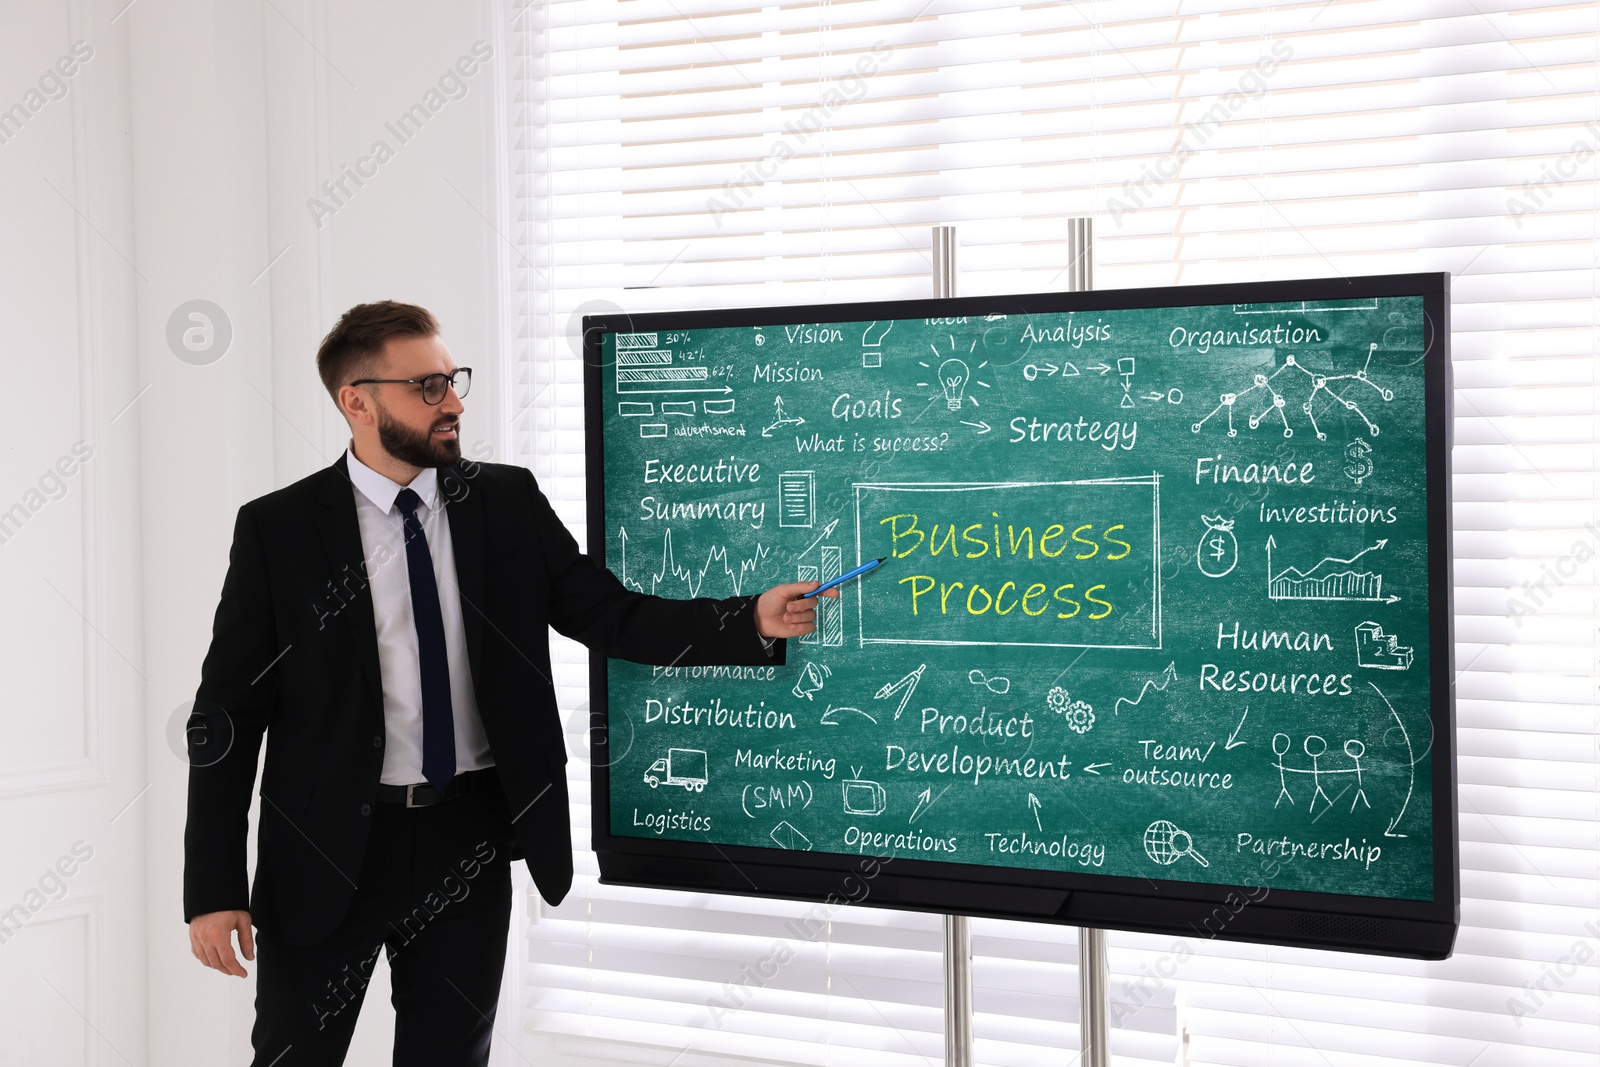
[
  {"x": 830, "y": 621},
  {"x": 644, "y": 368}
]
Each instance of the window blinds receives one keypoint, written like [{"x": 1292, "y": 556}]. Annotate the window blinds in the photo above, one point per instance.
[{"x": 691, "y": 153}]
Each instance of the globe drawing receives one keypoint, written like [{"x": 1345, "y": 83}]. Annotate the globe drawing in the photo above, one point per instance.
[{"x": 1158, "y": 842}]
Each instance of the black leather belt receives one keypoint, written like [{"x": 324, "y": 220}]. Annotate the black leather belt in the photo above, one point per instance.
[{"x": 423, "y": 795}]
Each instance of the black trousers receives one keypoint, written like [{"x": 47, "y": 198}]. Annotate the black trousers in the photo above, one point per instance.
[{"x": 435, "y": 894}]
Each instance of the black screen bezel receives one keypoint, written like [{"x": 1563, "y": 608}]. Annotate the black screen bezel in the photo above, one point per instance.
[{"x": 1417, "y": 929}]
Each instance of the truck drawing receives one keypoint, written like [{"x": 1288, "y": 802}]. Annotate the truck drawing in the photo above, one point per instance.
[{"x": 680, "y": 766}]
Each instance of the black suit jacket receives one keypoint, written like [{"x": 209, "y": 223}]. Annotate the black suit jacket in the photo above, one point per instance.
[{"x": 294, "y": 659}]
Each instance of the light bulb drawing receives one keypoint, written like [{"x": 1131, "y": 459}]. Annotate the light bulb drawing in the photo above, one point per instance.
[
  {"x": 958, "y": 381},
  {"x": 953, "y": 376}
]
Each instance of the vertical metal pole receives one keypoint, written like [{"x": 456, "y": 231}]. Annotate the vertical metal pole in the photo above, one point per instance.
[
  {"x": 957, "y": 935},
  {"x": 944, "y": 261},
  {"x": 1094, "y": 1024}
]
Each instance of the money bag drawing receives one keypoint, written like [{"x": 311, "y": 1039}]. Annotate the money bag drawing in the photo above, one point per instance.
[{"x": 1218, "y": 552}]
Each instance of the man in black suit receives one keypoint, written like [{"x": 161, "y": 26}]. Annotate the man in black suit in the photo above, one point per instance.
[{"x": 383, "y": 625}]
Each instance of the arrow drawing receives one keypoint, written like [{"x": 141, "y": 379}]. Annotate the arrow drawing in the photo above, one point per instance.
[
  {"x": 1033, "y": 802},
  {"x": 1102, "y": 368},
  {"x": 829, "y": 720},
  {"x": 1232, "y": 744},
  {"x": 1094, "y": 768},
  {"x": 1411, "y": 760},
  {"x": 826, "y": 532},
  {"x": 981, "y": 426},
  {"x": 908, "y": 684},
  {"x": 779, "y": 421},
  {"x": 924, "y": 802},
  {"x": 1168, "y": 676}
]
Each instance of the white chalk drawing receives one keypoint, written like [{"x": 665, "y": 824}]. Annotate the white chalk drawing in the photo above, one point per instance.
[
  {"x": 684, "y": 408},
  {"x": 904, "y": 686},
  {"x": 953, "y": 377},
  {"x": 925, "y": 800},
  {"x": 1330, "y": 578},
  {"x": 786, "y": 836},
  {"x": 1078, "y": 713},
  {"x": 1277, "y": 406},
  {"x": 1218, "y": 552},
  {"x": 1411, "y": 764},
  {"x": 1160, "y": 684},
  {"x": 1125, "y": 368},
  {"x": 956, "y": 376},
  {"x": 1358, "y": 461},
  {"x": 797, "y": 499},
  {"x": 1067, "y": 369},
  {"x": 631, "y": 409},
  {"x": 1316, "y": 747},
  {"x": 995, "y": 684},
  {"x": 1232, "y": 742},
  {"x": 812, "y": 678},
  {"x": 641, "y": 367},
  {"x": 1033, "y": 805},
  {"x": 1304, "y": 306},
  {"x": 780, "y": 420},
  {"x": 680, "y": 766},
  {"x": 830, "y": 717},
  {"x": 1380, "y": 651},
  {"x": 872, "y": 338},
  {"x": 693, "y": 579},
  {"x": 861, "y": 796},
  {"x": 1172, "y": 396},
  {"x": 827, "y": 532},
  {"x": 1166, "y": 844},
  {"x": 829, "y": 627}
]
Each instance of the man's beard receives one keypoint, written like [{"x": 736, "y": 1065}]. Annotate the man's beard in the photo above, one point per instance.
[{"x": 418, "y": 449}]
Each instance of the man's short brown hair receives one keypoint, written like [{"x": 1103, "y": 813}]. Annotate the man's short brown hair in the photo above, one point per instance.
[{"x": 353, "y": 347}]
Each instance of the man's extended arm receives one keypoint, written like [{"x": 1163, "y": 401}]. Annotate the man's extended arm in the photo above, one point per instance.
[{"x": 589, "y": 604}]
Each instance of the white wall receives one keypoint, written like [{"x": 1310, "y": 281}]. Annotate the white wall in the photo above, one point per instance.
[{"x": 177, "y": 167}]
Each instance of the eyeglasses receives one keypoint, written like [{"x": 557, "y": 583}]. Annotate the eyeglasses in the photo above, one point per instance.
[{"x": 433, "y": 386}]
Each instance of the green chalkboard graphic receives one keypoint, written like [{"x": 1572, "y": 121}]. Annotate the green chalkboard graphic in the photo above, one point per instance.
[{"x": 1155, "y": 601}]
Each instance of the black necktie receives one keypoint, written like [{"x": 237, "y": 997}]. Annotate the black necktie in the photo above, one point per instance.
[{"x": 438, "y": 724}]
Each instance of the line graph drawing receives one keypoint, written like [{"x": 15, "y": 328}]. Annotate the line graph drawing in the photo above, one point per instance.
[
  {"x": 692, "y": 578},
  {"x": 1160, "y": 684},
  {"x": 1325, "y": 581},
  {"x": 1277, "y": 406}
]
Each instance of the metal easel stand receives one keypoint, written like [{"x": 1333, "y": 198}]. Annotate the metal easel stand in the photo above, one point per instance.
[
  {"x": 957, "y": 935},
  {"x": 1094, "y": 1024},
  {"x": 1093, "y": 965}
]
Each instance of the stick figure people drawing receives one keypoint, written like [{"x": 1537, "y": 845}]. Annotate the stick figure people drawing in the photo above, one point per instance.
[{"x": 1316, "y": 747}]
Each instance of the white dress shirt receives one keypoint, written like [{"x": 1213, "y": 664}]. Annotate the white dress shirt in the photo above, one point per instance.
[{"x": 384, "y": 548}]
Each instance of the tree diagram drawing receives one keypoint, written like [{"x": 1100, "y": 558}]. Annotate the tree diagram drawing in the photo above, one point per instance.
[{"x": 1277, "y": 406}]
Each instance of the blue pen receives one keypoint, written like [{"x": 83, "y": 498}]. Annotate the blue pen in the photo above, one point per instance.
[{"x": 864, "y": 568}]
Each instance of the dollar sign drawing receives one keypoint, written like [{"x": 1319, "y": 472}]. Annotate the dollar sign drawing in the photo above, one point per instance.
[
  {"x": 1218, "y": 551},
  {"x": 1357, "y": 466}
]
